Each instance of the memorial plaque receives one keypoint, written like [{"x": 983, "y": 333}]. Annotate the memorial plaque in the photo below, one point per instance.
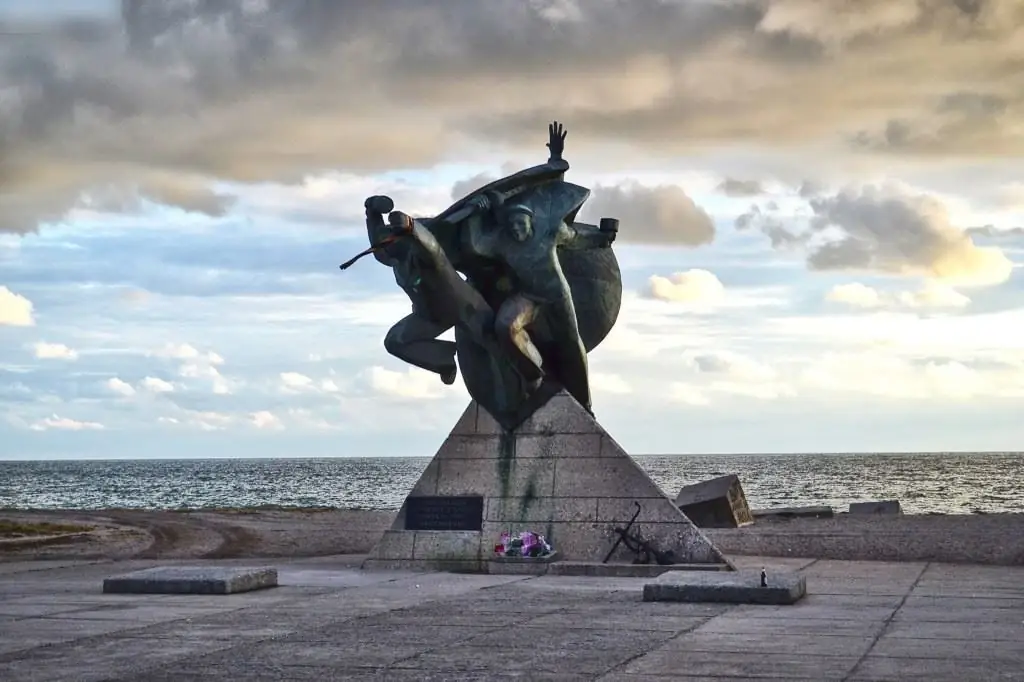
[{"x": 461, "y": 512}]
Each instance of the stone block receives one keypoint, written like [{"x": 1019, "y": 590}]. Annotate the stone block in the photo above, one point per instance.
[
  {"x": 581, "y": 541},
  {"x": 602, "y": 477},
  {"x": 397, "y": 543},
  {"x": 532, "y": 477},
  {"x": 561, "y": 414},
  {"x": 716, "y": 503},
  {"x": 427, "y": 483},
  {"x": 559, "y": 445},
  {"x": 540, "y": 510},
  {"x": 473, "y": 446},
  {"x": 191, "y": 580},
  {"x": 486, "y": 425},
  {"x": 417, "y": 565},
  {"x": 812, "y": 512},
  {"x": 879, "y": 508},
  {"x": 466, "y": 426},
  {"x": 446, "y": 545},
  {"x": 619, "y": 510},
  {"x": 512, "y": 565},
  {"x": 739, "y": 587}
]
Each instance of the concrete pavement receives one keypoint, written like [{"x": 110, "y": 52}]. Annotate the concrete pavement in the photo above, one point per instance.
[{"x": 330, "y": 621}]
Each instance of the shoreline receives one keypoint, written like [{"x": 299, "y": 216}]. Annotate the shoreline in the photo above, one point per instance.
[{"x": 272, "y": 531}]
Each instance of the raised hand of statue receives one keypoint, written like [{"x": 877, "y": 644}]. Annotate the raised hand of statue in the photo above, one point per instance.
[{"x": 556, "y": 140}]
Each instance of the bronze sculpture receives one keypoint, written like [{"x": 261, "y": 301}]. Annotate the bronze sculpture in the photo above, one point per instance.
[{"x": 539, "y": 290}]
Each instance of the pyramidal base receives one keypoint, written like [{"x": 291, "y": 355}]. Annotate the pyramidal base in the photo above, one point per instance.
[{"x": 559, "y": 474}]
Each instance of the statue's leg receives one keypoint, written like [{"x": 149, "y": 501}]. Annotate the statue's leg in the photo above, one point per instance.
[
  {"x": 414, "y": 340},
  {"x": 569, "y": 350},
  {"x": 510, "y": 324}
]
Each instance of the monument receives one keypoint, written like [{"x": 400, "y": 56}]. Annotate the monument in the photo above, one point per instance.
[{"x": 529, "y": 291}]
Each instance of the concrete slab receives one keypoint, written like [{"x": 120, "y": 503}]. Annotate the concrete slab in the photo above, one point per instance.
[
  {"x": 191, "y": 580},
  {"x": 334, "y": 622},
  {"x": 741, "y": 587},
  {"x": 876, "y": 508}
]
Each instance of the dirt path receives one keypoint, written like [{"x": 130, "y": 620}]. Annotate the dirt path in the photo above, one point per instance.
[{"x": 148, "y": 534}]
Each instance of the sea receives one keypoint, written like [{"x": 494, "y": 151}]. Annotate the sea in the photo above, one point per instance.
[{"x": 947, "y": 483}]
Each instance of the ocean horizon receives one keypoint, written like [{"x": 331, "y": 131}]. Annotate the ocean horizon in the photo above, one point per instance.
[{"x": 936, "y": 482}]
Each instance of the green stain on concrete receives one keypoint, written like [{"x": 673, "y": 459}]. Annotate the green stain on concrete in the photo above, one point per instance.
[
  {"x": 506, "y": 458},
  {"x": 529, "y": 495}
]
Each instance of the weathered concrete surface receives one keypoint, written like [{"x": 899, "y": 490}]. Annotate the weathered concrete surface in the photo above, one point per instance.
[
  {"x": 740, "y": 587},
  {"x": 191, "y": 580},
  {"x": 814, "y": 511},
  {"x": 559, "y": 474},
  {"x": 327, "y": 620},
  {"x": 994, "y": 539},
  {"x": 876, "y": 508}
]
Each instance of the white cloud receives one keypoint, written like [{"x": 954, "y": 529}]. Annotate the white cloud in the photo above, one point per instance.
[
  {"x": 15, "y": 310},
  {"x": 931, "y": 295},
  {"x": 328, "y": 386},
  {"x": 612, "y": 384},
  {"x": 184, "y": 351},
  {"x": 120, "y": 387},
  {"x": 855, "y": 294},
  {"x": 412, "y": 383},
  {"x": 221, "y": 386},
  {"x": 739, "y": 375},
  {"x": 56, "y": 423},
  {"x": 308, "y": 420},
  {"x": 294, "y": 382},
  {"x": 209, "y": 420},
  {"x": 54, "y": 351},
  {"x": 156, "y": 385},
  {"x": 687, "y": 394},
  {"x": 732, "y": 365},
  {"x": 887, "y": 375},
  {"x": 692, "y": 286},
  {"x": 934, "y": 295},
  {"x": 265, "y": 420}
]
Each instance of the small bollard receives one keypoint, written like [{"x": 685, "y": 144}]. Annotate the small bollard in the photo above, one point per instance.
[{"x": 764, "y": 578}]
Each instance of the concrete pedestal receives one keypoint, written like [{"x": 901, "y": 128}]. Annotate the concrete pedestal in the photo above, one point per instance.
[
  {"x": 192, "y": 580},
  {"x": 558, "y": 474}
]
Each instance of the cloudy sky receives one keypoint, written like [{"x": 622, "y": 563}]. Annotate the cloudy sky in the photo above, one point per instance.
[{"x": 820, "y": 202}]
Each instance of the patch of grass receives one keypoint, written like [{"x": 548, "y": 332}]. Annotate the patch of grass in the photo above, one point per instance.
[{"x": 22, "y": 529}]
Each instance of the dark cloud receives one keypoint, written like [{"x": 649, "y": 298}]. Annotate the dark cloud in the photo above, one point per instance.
[
  {"x": 993, "y": 232},
  {"x": 664, "y": 214},
  {"x": 274, "y": 90},
  {"x": 462, "y": 188},
  {"x": 885, "y": 230},
  {"x": 732, "y": 187},
  {"x": 770, "y": 224}
]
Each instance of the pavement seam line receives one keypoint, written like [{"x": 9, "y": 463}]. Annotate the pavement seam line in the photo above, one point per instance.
[
  {"x": 887, "y": 623},
  {"x": 677, "y": 635},
  {"x": 469, "y": 638}
]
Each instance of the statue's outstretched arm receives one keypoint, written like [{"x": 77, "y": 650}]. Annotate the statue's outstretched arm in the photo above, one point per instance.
[
  {"x": 584, "y": 236},
  {"x": 376, "y": 229}
]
